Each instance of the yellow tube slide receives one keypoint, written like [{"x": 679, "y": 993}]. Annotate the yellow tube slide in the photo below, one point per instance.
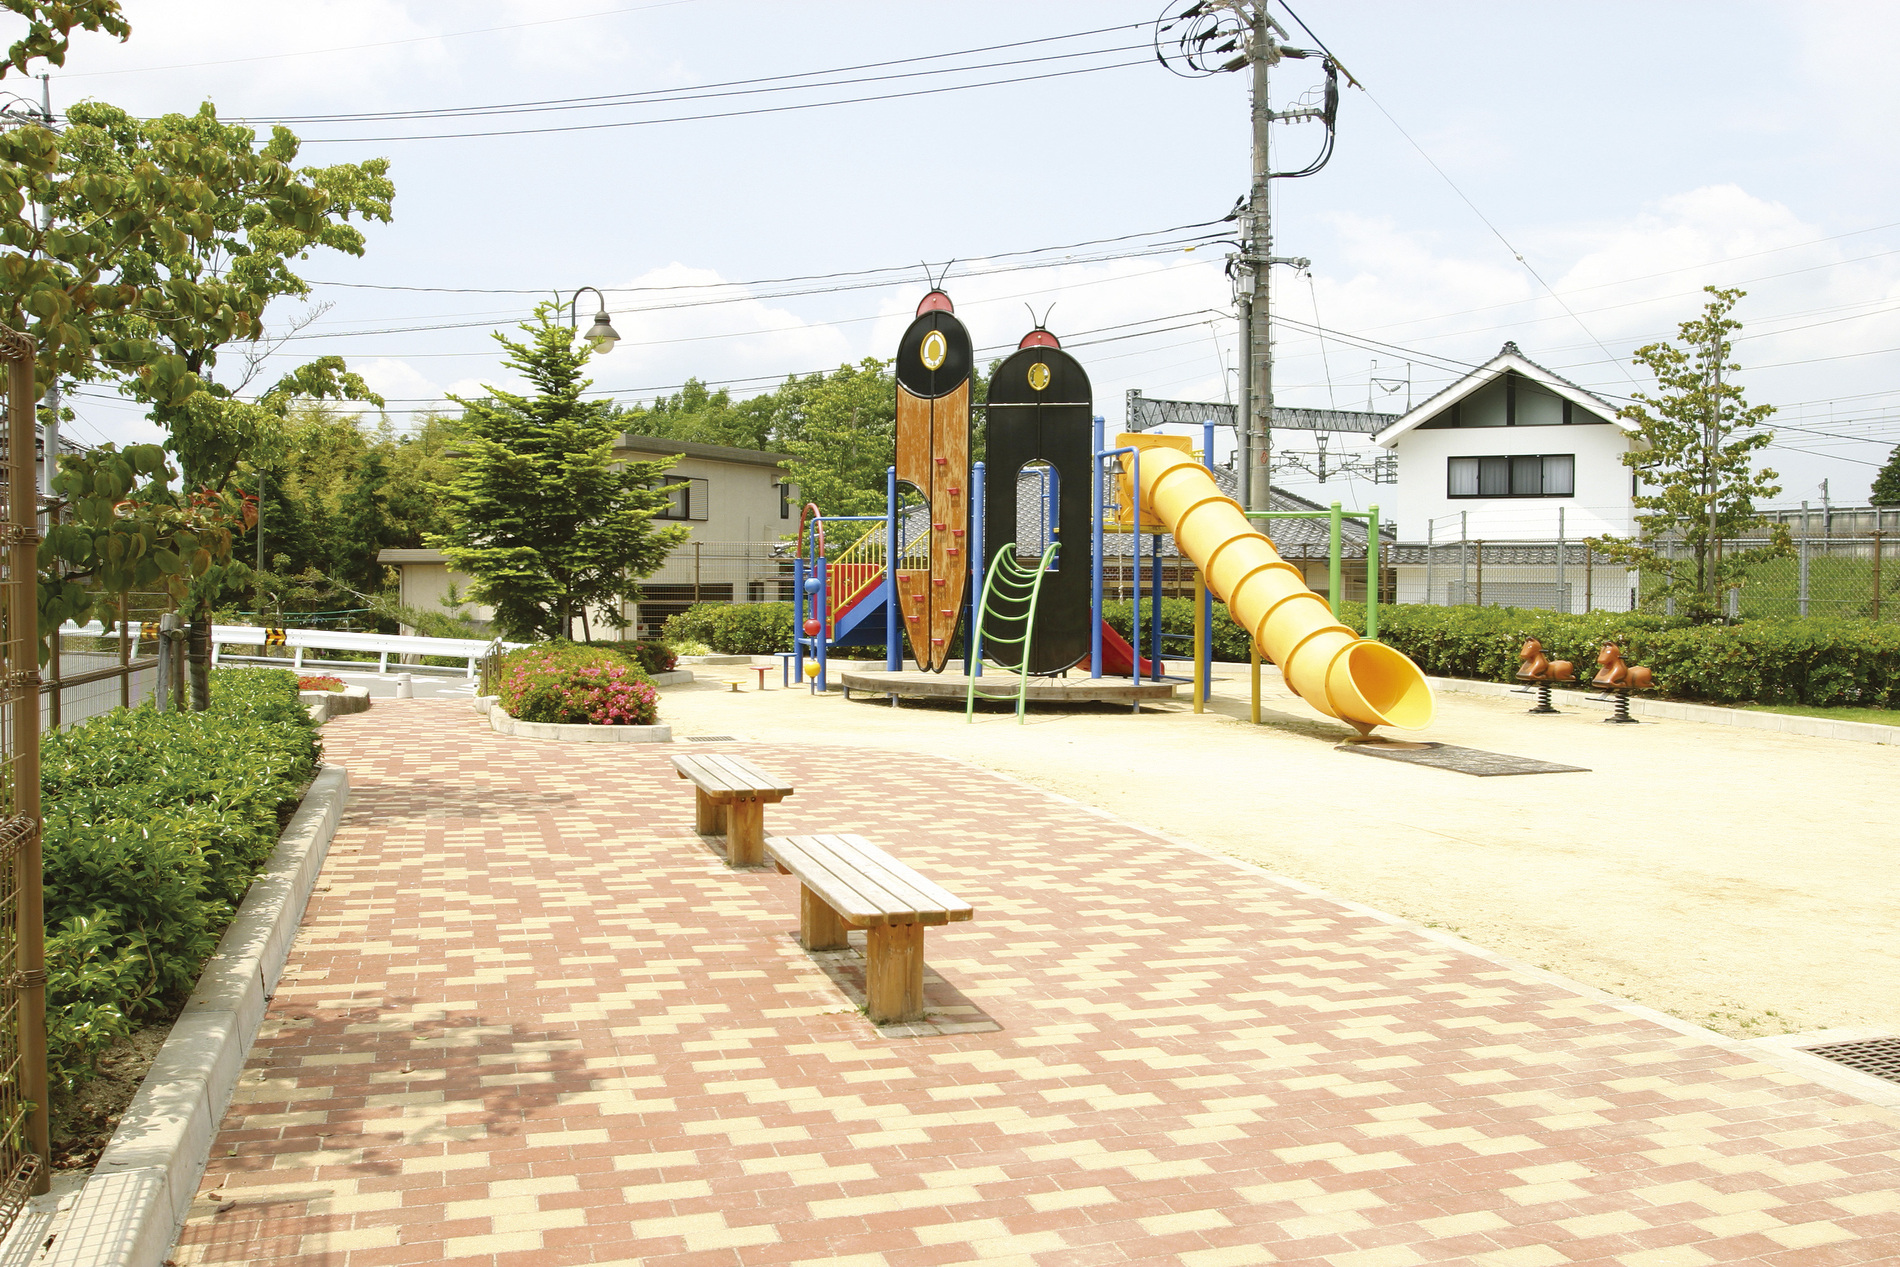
[{"x": 1357, "y": 680}]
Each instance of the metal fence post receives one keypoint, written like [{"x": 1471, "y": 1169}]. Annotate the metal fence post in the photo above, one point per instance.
[
  {"x": 1464, "y": 562},
  {"x": 1802, "y": 586},
  {"x": 1428, "y": 562},
  {"x": 1876, "y": 602},
  {"x": 1587, "y": 578},
  {"x": 1563, "y": 602},
  {"x": 1480, "y": 554},
  {"x": 1669, "y": 578}
]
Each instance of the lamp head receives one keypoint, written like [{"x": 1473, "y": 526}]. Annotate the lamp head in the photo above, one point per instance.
[{"x": 602, "y": 335}]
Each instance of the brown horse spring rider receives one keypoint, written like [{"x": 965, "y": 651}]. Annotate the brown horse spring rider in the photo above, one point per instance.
[
  {"x": 1613, "y": 674},
  {"x": 1536, "y": 667}
]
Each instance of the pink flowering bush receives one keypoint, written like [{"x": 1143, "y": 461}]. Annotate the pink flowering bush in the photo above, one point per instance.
[{"x": 577, "y": 685}]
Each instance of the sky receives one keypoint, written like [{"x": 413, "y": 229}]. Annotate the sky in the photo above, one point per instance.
[{"x": 1567, "y": 177}]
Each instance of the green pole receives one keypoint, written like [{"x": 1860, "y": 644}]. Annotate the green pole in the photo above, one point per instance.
[
  {"x": 1372, "y": 572},
  {"x": 1332, "y": 565}
]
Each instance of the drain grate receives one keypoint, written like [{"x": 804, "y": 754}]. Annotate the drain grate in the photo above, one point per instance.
[
  {"x": 1877, "y": 1056},
  {"x": 712, "y": 738}
]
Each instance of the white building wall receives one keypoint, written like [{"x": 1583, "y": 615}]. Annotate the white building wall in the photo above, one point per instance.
[{"x": 1600, "y": 505}]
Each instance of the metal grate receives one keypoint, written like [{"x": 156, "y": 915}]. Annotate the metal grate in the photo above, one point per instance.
[
  {"x": 1445, "y": 756},
  {"x": 711, "y": 738},
  {"x": 1877, "y": 1056}
]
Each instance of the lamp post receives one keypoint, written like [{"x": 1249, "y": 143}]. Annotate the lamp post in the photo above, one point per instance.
[{"x": 601, "y": 334}]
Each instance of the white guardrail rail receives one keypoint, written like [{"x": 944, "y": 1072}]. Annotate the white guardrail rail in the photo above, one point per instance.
[{"x": 300, "y": 641}]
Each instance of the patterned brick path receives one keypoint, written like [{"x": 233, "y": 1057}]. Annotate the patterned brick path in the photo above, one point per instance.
[{"x": 531, "y": 1020}]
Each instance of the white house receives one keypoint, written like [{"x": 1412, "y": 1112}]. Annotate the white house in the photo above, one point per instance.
[{"x": 1519, "y": 459}]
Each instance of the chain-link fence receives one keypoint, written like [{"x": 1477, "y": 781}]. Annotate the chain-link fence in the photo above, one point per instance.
[
  {"x": 1825, "y": 576},
  {"x": 712, "y": 572}
]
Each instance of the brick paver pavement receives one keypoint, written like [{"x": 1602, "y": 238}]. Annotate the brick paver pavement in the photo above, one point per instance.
[{"x": 531, "y": 1020}]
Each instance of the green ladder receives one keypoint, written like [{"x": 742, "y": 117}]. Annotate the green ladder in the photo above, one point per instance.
[{"x": 1009, "y": 593}]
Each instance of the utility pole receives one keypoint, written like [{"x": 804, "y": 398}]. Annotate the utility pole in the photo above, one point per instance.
[
  {"x": 1257, "y": 247},
  {"x": 1712, "y": 552},
  {"x": 1213, "y": 37}
]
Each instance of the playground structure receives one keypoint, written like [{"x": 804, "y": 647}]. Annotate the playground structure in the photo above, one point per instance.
[{"x": 923, "y": 579}]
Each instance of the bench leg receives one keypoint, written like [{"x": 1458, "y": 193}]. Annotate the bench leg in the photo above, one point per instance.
[
  {"x": 709, "y": 816},
  {"x": 745, "y": 833},
  {"x": 819, "y": 927},
  {"x": 894, "y": 973}
]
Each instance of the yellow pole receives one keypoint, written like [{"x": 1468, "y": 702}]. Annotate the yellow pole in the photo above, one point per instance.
[
  {"x": 1254, "y": 651},
  {"x": 1200, "y": 642}
]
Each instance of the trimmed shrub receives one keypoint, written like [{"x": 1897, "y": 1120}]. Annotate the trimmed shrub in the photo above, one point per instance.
[
  {"x": 734, "y": 628},
  {"x": 155, "y": 825},
  {"x": 1817, "y": 661},
  {"x": 569, "y": 684},
  {"x": 1177, "y": 617},
  {"x": 652, "y": 657}
]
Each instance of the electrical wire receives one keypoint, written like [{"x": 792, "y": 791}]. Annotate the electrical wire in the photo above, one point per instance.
[{"x": 721, "y": 114}]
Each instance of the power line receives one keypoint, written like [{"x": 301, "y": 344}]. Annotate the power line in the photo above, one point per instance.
[
  {"x": 671, "y": 96},
  {"x": 723, "y": 114}
]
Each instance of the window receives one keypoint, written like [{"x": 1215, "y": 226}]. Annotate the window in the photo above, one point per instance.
[
  {"x": 784, "y": 501},
  {"x": 686, "y": 499},
  {"x": 1521, "y": 475}
]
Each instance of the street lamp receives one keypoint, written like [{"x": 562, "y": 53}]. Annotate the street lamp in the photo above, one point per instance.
[{"x": 601, "y": 334}]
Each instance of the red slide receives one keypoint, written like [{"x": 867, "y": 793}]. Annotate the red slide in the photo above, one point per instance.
[{"x": 1116, "y": 654}]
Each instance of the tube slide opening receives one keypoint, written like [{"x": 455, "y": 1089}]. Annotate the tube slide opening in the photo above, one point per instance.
[{"x": 1391, "y": 684}]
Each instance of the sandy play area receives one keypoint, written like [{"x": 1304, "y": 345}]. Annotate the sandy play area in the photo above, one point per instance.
[{"x": 1740, "y": 879}]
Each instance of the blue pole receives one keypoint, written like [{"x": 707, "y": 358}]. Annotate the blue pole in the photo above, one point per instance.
[
  {"x": 893, "y": 647},
  {"x": 973, "y": 640},
  {"x": 798, "y": 611},
  {"x": 1095, "y": 575},
  {"x": 1207, "y": 595}
]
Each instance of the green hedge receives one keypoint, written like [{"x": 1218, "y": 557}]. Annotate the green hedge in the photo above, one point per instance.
[
  {"x": 1817, "y": 661},
  {"x": 155, "y": 825},
  {"x": 734, "y": 628},
  {"x": 1827, "y": 663}
]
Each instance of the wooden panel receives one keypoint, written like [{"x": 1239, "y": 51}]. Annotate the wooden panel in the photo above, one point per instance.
[
  {"x": 910, "y": 595},
  {"x": 913, "y": 439},
  {"x": 858, "y": 901},
  {"x": 741, "y": 772},
  {"x": 709, "y": 816},
  {"x": 949, "y": 506},
  {"x": 864, "y": 884},
  {"x": 745, "y": 834},
  {"x": 894, "y": 973},
  {"x": 819, "y": 927},
  {"x": 953, "y": 907}
]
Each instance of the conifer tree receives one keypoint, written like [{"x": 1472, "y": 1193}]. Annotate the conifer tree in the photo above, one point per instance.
[{"x": 550, "y": 530}]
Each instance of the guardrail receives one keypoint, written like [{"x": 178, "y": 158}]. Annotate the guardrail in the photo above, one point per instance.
[{"x": 300, "y": 641}]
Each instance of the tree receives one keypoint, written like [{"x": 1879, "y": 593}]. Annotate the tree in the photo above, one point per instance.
[
  {"x": 540, "y": 518},
  {"x": 252, "y": 214},
  {"x": 1887, "y": 484},
  {"x": 50, "y": 26},
  {"x": 706, "y": 417},
  {"x": 1698, "y": 439}
]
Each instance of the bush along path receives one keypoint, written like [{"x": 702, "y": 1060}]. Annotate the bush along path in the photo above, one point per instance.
[
  {"x": 568, "y": 683},
  {"x": 156, "y": 823},
  {"x": 1817, "y": 661}
]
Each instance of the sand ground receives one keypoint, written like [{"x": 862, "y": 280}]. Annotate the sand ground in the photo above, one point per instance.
[{"x": 1741, "y": 879}]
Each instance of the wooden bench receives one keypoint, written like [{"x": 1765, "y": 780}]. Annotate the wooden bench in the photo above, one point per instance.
[
  {"x": 730, "y": 796},
  {"x": 851, "y": 883}
]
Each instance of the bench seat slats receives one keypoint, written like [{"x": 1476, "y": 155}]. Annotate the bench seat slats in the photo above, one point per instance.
[
  {"x": 725, "y": 777},
  {"x": 865, "y": 885},
  {"x": 892, "y": 874}
]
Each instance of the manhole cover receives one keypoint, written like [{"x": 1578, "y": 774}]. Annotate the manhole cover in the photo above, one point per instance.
[
  {"x": 1878, "y": 1056},
  {"x": 712, "y": 739},
  {"x": 1445, "y": 756}
]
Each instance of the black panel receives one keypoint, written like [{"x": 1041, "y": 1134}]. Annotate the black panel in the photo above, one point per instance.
[
  {"x": 1021, "y": 430},
  {"x": 918, "y": 378}
]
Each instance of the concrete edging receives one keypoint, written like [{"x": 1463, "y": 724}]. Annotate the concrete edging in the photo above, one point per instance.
[
  {"x": 132, "y": 1206},
  {"x": 502, "y": 724},
  {"x": 351, "y": 699},
  {"x": 1710, "y": 714}
]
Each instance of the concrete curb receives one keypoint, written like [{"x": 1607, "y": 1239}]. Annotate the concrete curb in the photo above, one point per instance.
[
  {"x": 351, "y": 699},
  {"x": 1709, "y": 714},
  {"x": 132, "y": 1206},
  {"x": 502, "y": 724}
]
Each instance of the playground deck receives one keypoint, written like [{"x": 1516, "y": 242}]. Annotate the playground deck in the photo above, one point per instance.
[
  {"x": 1077, "y": 688},
  {"x": 531, "y": 1020}
]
